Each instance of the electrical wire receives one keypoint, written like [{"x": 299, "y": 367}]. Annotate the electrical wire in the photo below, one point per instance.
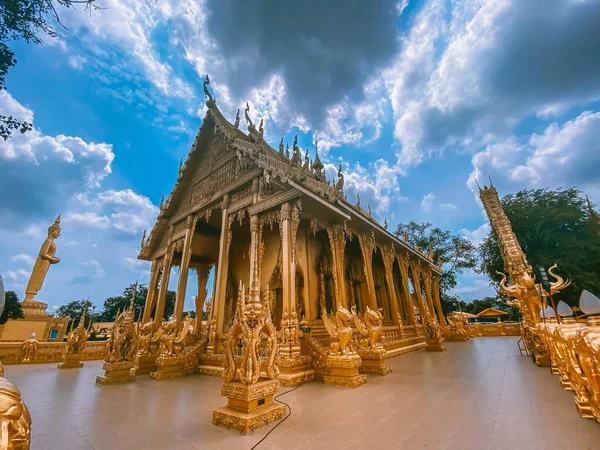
[{"x": 282, "y": 420}]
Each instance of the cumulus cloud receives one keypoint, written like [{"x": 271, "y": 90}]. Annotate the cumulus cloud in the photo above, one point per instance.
[
  {"x": 39, "y": 171},
  {"x": 99, "y": 271},
  {"x": 562, "y": 156},
  {"x": 24, "y": 258},
  {"x": 477, "y": 235},
  {"x": 427, "y": 202}
]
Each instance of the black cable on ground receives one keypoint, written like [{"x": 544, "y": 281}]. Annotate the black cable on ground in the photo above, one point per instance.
[{"x": 282, "y": 420}]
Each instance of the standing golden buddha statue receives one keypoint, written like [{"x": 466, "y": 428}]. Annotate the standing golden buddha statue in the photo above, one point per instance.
[{"x": 43, "y": 261}]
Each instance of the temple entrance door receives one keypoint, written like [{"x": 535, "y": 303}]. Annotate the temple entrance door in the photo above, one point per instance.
[
  {"x": 328, "y": 282},
  {"x": 277, "y": 307}
]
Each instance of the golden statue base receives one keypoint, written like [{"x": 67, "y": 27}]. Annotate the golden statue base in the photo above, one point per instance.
[
  {"x": 343, "y": 370},
  {"x": 584, "y": 408},
  {"x": 119, "y": 372},
  {"x": 249, "y": 407},
  {"x": 169, "y": 367},
  {"x": 434, "y": 346},
  {"x": 211, "y": 365},
  {"x": 374, "y": 362},
  {"x": 71, "y": 362},
  {"x": 294, "y": 372},
  {"x": 565, "y": 382},
  {"x": 145, "y": 364}
]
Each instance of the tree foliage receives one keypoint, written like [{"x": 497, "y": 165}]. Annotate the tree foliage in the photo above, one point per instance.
[
  {"x": 552, "y": 226},
  {"x": 455, "y": 252},
  {"x": 12, "y": 308},
  {"x": 73, "y": 311},
  {"x": 113, "y": 305},
  {"x": 26, "y": 20}
]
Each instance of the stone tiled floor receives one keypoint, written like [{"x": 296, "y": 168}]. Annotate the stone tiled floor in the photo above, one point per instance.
[{"x": 479, "y": 394}]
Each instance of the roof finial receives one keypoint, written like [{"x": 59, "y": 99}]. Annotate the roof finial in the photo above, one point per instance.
[
  {"x": 281, "y": 147},
  {"x": 247, "y": 114},
  {"x": 358, "y": 199},
  {"x": 180, "y": 165},
  {"x": 385, "y": 224},
  {"x": 133, "y": 296},
  {"x": 236, "y": 125},
  {"x": 206, "y": 93},
  {"x": 491, "y": 185},
  {"x": 477, "y": 183},
  {"x": 162, "y": 201},
  {"x": 261, "y": 129},
  {"x": 340, "y": 183},
  {"x": 143, "y": 239},
  {"x": 306, "y": 165},
  {"x": 287, "y": 150}
]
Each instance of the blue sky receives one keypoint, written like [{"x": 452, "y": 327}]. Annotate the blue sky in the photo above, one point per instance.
[{"x": 416, "y": 99}]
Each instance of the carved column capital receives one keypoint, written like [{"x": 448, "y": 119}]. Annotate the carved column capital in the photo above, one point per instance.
[{"x": 254, "y": 223}]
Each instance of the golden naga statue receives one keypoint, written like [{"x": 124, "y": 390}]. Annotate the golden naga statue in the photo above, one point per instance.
[
  {"x": 77, "y": 339},
  {"x": 172, "y": 339},
  {"x": 371, "y": 326},
  {"x": 252, "y": 321},
  {"x": 587, "y": 346},
  {"x": 145, "y": 341},
  {"x": 43, "y": 261},
  {"x": 123, "y": 342},
  {"x": 340, "y": 331},
  {"x": 15, "y": 421},
  {"x": 29, "y": 348}
]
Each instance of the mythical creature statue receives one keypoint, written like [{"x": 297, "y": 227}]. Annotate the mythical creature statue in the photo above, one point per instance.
[
  {"x": 339, "y": 186},
  {"x": 261, "y": 128},
  {"x": 340, "y": 331},
  {"x": 247, "y": 114},
  {"x": 371, "y": 326},
  {"x": 15, "y": 421},
  {"x": 457, "y": 325},
  {"x": 172, "y": 340},
  {"x": 306, "y": 165},
  {"x": 77, "y": 339},
  {"x": 206, "y": 92},
  {"x": 123, "y": 342},
  {"x": 252, "y": 322},
  {"x": 145, "y": 341},
  {"x": 385, "y": 224},
  {"x": 29, "y": 348},
  {"x": 44, "y": 260},
  {"x": 432, "y": 330}
]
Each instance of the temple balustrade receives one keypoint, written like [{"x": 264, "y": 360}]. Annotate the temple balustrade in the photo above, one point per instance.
[{"x": 47, "y": 352}]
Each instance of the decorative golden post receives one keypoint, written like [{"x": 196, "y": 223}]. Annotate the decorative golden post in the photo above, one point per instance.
[
  {"x": 15, "y": 421},
  {"x": 76, "y": 342},
  {"x": 250, "y": 398},
  {"x": 119, "y": 365}
]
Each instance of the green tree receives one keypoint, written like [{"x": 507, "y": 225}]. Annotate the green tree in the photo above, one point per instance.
[
  {"x": 112, "y": 305},
  {"x": 12, "y": 308},
  {"x": 27, "y": 20},
  {"x": 552, "y": 226},
  {"x": 73, "y": 311},
  {"x": 456, "y": 253}
]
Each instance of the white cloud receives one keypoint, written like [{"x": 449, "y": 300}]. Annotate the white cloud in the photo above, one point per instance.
[
  {"x": 99, "y": 271},
  {"x": 472, "y": 286},
  {"x": 18, "y": 276},
  {"x": 477, "y": 235},
  {"x": 24, "y": 258},
  {"x": 448, "y": 206},
  {"x": 427, "y": 202}
]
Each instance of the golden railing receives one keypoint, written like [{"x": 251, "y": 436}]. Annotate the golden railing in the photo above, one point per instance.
[{"x": 46, "y": 352}]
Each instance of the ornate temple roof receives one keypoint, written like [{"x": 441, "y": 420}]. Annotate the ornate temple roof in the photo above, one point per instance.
[{"x": 310, "y": 181}]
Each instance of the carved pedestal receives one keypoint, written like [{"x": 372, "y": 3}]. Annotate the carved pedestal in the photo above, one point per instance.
[
  {"x": 71, "y": 361},
  {"x": 169, "y": 367},
  {"x": 343, "y": 370},
  {"x": 295, "y": 371},
  {"x": 211, "y": 364},
  {"x": 433, "y": 345},
  {"x": 584, "y": 408},
  {"x": 249, "y": 407},
  {"x": 145, "y": 364},
  {"x": 374, "y": 362},
  {"x": 120, "y": 372}
]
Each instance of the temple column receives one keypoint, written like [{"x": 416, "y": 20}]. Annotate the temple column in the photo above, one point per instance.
[
  {"x": 427, "y": 282},
  {"x": 416, "y": 272},
  {"x": 388, "y": 260},
  {"x": 218, "y": 308},
  {"x": 410, "y": 310},
  {"x": 288, "y": 259},
  {"x": 337, "y": 240},
  {"x": 254, "y": 251},
  {"x": 436, "y": 299},
  {"x": 164, "y": 286},
  {"x": 367, "y": 245},
  {"x": 152, "y": 288},
  {"x": 202, "y": 272},
  {"x": 184, "y": 268}
]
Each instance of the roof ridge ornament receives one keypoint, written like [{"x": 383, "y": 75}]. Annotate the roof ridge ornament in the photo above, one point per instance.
[
  {"x": 339, "y": 186},
  {"x": 236, "y": 125},
  {"x": 281, "y": 147},
  {"x": 206, "y": 92},
  {"x": 261, "y": 129},
  {"x": 247, "y": 114}
]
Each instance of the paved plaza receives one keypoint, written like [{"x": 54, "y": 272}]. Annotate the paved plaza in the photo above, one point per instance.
[{"x": 478, "y": 394}]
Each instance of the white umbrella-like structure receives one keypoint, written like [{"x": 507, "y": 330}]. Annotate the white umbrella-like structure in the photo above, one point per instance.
[{"x": 589, "y": 303}]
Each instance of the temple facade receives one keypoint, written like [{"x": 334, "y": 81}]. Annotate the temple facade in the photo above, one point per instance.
[{"x": 269, "y": 220}]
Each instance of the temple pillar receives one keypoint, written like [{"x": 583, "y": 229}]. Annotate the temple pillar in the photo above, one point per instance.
[
  {"x": 288, "y": 258},
  {"x": 202, "y": 272},
  {"x": 155, "y": 273},
  {"x": 416, "y": 272},
  {"x": 164, "y": 286},
  {"x": 367, "y": 245},
  {"x": 218, "y": 309},
  {"x": 254, "y": 250},
  {"x": 184, "y": 268},
  {"x": 408, "y": 303},
  {"x": 435, "y": 284},
  {"x": 388, "y": 260},
  {"x": 428, "y": 294},
  {"x": 337, "y": 240}
]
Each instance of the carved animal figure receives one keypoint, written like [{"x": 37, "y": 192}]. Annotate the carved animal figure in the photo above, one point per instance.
[
  {"x": 15, "y": 421},
  {"x": 340, "y": 331}
]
